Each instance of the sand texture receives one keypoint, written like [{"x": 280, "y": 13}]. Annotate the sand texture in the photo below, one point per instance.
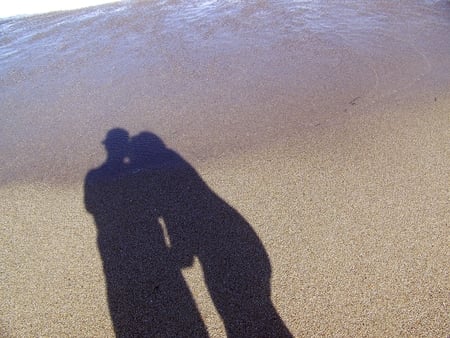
[
  {"x": 354, "y": 218},
  {"x": 211, "y": 168}
]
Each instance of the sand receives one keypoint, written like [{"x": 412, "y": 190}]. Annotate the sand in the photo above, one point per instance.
[
  {"x": 353, "y": 214},
  {"x": 324, "y": 125}
]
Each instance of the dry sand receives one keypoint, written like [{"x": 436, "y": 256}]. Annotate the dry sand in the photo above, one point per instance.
[{"x": 353, "y": 214}]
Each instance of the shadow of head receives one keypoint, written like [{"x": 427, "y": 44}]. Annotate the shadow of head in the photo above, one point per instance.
[
  {"x": 148, "y": 151},
  {"x": 116, "y": 143}
]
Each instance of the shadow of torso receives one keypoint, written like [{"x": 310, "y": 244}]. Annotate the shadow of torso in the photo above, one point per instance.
[{"x": 147, "y": 294}]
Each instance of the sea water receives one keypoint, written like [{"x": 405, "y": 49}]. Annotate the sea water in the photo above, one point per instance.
[{"x": 209, "y": 77}]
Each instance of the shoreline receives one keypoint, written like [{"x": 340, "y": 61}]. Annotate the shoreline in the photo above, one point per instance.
[{"x": 70, "y": 165}]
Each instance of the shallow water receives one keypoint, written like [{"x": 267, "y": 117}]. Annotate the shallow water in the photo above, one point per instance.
[{"x": 210, "y": 77}]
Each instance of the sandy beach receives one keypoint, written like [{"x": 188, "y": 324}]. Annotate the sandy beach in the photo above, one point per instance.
[
  {"x": 332, "y": 158},
  {"x": 354, "y": 218}
]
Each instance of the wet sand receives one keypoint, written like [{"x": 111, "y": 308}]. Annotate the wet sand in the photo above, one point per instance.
[{"x": 334, "y": 147}]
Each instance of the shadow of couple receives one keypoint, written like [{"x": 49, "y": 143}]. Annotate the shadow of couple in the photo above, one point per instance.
[{"x": 154, "y": 214}]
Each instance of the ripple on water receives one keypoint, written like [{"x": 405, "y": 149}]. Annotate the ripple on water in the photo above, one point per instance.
[{"x": 148, "y": 30}]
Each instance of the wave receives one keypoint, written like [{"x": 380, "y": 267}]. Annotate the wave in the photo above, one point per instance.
[{"x": 19, "y": 8}]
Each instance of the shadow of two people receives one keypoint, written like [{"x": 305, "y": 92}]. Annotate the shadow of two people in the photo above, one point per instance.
[{"x": 141, "y": 183}]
